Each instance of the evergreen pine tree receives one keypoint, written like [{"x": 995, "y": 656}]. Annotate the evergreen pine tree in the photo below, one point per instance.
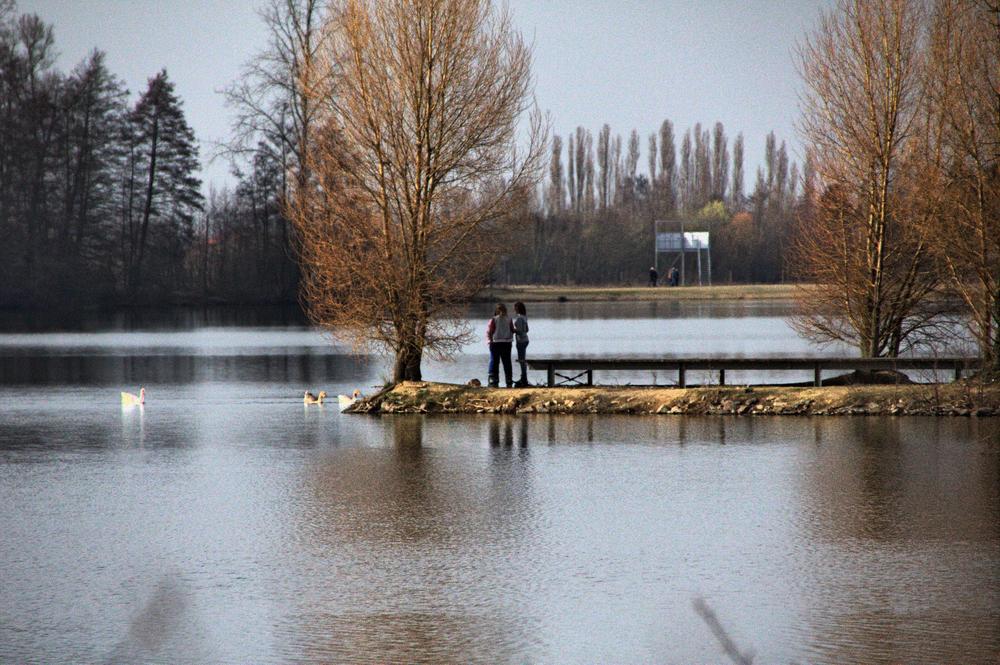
[{"x": 162, "y": 191}]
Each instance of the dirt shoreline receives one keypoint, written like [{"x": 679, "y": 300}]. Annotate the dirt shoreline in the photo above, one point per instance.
[
  {"x": 954, "y": 399},
  {"x": 530, "y": 293}
]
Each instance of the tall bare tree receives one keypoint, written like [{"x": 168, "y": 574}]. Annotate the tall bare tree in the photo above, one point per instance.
[
  {"x": 861, "y": 71},
  {"x": 604, "y": 166},
  {"x": 555, "y": 189},
  {"x": 415, "y": 170},
  {"x": 631, "y": 166},
  {"x": 615, "y": 166},
  {"x": 779, "y": 191},
  {"x": 655, "y": 196},
  {"x": 584, "y": 140},
  {"x": 736, "y": 192},
  {"x": 963, "y": 93},
  {"x": 702, "y": 171},
  {"x": 274, "y": 97},
  {"x": 668, "y": 167},
  {"x": 685, "y": 180},
  {"x": 720, "y": 162},
  {"x": 652, "y": 156},
  {"x": 571, "y": 172},
  {"x": 589, "y": 203}
]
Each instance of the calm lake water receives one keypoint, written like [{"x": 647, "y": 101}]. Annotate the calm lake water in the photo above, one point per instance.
[{"x": 225, "y": 522}]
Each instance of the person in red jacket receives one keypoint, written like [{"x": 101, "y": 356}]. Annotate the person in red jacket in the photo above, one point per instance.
[{"x": 500, "y": 335}]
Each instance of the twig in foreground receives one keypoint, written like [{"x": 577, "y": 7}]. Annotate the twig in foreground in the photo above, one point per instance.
[{"x": 728, "y": 645}]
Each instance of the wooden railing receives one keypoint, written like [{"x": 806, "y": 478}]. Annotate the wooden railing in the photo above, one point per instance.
[{"x": 585, "y": 367}]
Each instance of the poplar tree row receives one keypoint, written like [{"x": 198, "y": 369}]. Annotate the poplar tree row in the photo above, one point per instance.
[{"x": 595, "y": 221}]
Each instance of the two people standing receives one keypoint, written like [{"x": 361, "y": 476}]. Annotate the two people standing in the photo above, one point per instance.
[
  {"x": 501, "y": 333},
  {"x": 673, "y": 276}
]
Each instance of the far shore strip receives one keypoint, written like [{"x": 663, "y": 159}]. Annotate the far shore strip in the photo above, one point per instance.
[{"x": 530, "y": 293}]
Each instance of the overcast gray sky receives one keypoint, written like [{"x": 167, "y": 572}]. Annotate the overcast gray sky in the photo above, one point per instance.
[{"x": 628, "y": 63}]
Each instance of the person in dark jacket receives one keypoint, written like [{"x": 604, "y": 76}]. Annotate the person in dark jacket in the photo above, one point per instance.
[
  {"x": 521, "y": 341},
  {"x": 500, "y": 335},
  {"x": 653, "y": 276}
]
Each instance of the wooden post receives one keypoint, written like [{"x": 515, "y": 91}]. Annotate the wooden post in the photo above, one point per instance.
[
  {"x": 722, "y": 377},
  {"x": 958, "y": 370},
  {"x": 681, "y": 379},
  {"x": 817, "y": 375},
  {"x": 683, "y": 281},
  {"x": 590, "y": 377},
  {"x": 699, "y": 265},
  {"x": 551, "y": 374},
  {"x": 709, "y": 253}
]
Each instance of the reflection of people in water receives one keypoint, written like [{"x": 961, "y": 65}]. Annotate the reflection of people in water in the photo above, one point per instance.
[
  {"x": 508, "y": 434},
  {"x": 501, "y": 432}
]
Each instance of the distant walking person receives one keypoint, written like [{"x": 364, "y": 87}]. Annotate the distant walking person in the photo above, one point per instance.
[
  {"x": 521, "y": 341},
  {"x": 653, "y": 276},
  {"x": 500, "y": 334},
  {"x": 675, "y": 276}
]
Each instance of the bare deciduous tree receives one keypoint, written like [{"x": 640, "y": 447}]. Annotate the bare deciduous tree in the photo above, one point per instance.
[
  {"x": 615, "y": 166},
  {"x": 702, "y": 170},
  {"x": 668, "y": 167},
  {"x": 631, "y": 167},
  {"x": 589, "y": 204},
  {"x": 571, "y": 173},
  {"x": 736, "y": 193},
  {"x": 863, "y": 251},
  {"x": 685, "y": 184},
  {"x": 963, "y": 96},
  {"x": 720, "y": 163},
  {"x": 555, "y": 190},
  {"x": 604, "y": 166},
  {"x": 415, "y": 173},
  {"x": 274, "y": 96},
  {"x": 584, "y": 143}
]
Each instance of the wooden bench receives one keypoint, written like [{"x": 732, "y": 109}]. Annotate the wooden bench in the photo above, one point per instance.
[{"x": 581, "y": 370}]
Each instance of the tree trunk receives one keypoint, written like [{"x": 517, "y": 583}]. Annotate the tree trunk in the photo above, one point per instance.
[
  {"x": 148, "y": 207},
  {"x": 994, "y": 332},
  {"x": 407, "y": 365}
]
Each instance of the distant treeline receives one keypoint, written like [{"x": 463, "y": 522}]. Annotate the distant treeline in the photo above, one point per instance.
[
  {"x": 100, "y": 202},
  {"x": 99, "y": 197},
  {"x": 595, "y": 221}
]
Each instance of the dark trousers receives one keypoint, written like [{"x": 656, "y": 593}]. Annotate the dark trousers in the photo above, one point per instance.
[
  {"x": 500, "y": 352},
  {"x": 521, "y": 348}
]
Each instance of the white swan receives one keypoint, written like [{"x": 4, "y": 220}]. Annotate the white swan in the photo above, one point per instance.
[
  {"x": 129, "y": 399},
  {"x": 346, "y": 401}
]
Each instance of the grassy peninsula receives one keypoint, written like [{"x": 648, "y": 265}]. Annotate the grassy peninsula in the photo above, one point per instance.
[{"x": 963, "y": 398}]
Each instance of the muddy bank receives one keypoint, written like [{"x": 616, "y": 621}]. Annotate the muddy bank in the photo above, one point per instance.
[{"x": 956, "y": 399}]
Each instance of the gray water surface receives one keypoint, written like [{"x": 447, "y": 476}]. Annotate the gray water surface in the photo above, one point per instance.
[{"x": 225, "y": 522}]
